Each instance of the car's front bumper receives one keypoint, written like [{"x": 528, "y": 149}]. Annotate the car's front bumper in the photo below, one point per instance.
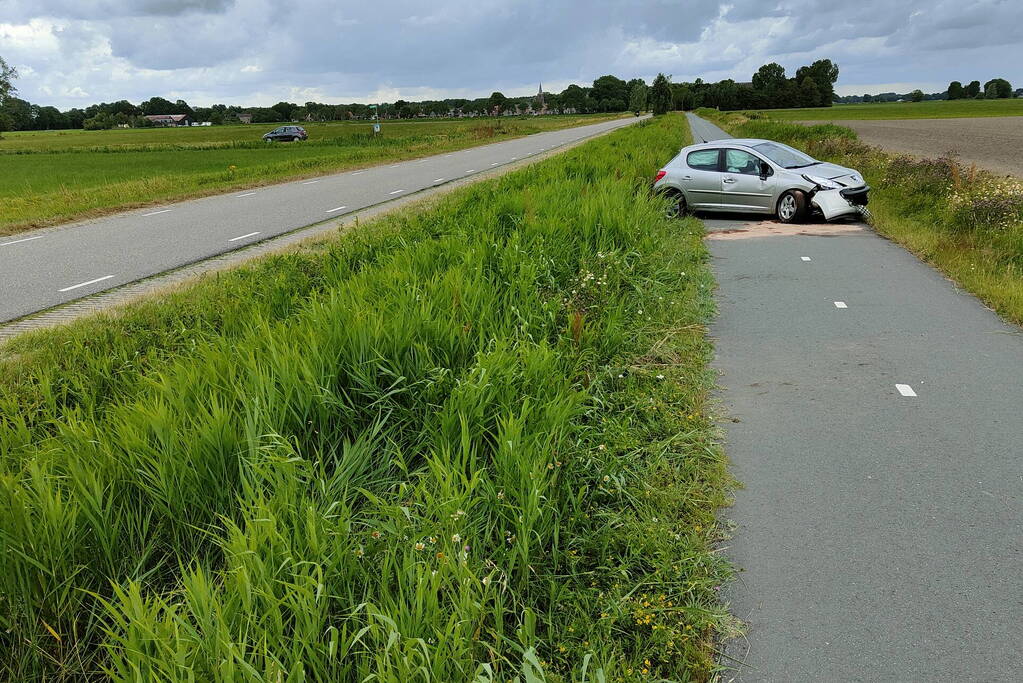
[{"x": 844, "y": 202}]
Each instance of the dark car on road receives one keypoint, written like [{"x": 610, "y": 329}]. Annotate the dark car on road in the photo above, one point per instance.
[{"x": 286, "y": 134}]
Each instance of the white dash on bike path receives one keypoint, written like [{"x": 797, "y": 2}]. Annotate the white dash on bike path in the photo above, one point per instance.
[
  {"x": 26, "y": 239},
  {"x": 85, "y": 284},
  {"x": 154, "y": 213},
  {"x": 905, "y": 390},
  {"x": 336, "y": 209},
  {"x": 840, "y": 304},
  {"x": 241, "y": 237}
]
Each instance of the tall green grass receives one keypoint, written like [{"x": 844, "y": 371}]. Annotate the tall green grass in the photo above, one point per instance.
[
  {"x": 52, "y": 176},
  {"x": 467, "y": 443},
  {"x": 967, "y": 222}
]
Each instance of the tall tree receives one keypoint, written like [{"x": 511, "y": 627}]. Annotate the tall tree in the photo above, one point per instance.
[
  {"x": 610, "y": 88},
  {"x": 917, "y": 95},
  {"x": 575, "y": 97},
  {"x": 497, "y": 102},
  {"x": 955, "y": 91},
  {"x": 973, "y": 89},
  {"x": 997, "y": 88},
  {"x": 156, "y": 105},
  {"x": 769, "y": 77},
  {"x": 660, "y": 95},
  {"x": 824, "y": 73},
  {"x": 809, "y": 93},
  {"x": 7, "y": 75},
  {"x": 637, "y": 98}
]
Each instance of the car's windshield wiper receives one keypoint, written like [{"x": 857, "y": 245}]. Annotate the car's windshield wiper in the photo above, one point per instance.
[{"x": 812, "y": 163}]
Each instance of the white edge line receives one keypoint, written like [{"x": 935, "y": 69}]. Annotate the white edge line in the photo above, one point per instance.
[
  {"x": 156, "y": 212},
  {"x": 26, "y": 239},
  {"x": 337, "y": 209},
  {"x": 840, "y": 304},
  {"x": 439, "y": 180},
  {"x": 241, "y": 237},
  {"x": 310, "y": 182},
  {"x": 471, "y": 170},
  {"x": 84, "y": 284},
  {"x": 396, "y": 192},
  {"x": 805, "y": 258},
  {"x": 905, "y": 390},
  {"x": 247, "y": 194},
  {"x": 358, "y": 172}
]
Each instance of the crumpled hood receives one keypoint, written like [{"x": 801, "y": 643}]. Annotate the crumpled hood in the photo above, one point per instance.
[{"x": 831, "y": 171}]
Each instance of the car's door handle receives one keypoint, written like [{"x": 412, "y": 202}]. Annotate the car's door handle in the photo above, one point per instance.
[
  {"x": 728, "y": 180},
  {"x": 687, "y": 177}
]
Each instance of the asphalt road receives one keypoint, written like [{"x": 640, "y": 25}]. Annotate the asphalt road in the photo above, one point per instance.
[
  {"x": 877, "y": 434},
  {"x": 48, "y": 267}
]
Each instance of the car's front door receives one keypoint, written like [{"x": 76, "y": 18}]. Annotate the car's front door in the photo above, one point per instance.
[
  {"x": 702, "y": 178},
  {"x": 742, "y": 187}
]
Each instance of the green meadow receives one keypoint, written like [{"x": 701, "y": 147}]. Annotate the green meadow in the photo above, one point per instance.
[
  {"x": 49, "y": 177},
  {"x": 466, "y": 442}
]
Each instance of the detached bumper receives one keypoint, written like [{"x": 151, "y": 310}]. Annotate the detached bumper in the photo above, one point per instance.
[{"x": 837, "y": 203}]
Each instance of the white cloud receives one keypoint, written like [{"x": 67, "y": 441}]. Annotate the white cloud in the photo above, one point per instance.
[{"x": 252, "y": 52}]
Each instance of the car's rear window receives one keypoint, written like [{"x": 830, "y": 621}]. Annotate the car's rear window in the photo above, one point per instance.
[{"x": 703, "y": 160}]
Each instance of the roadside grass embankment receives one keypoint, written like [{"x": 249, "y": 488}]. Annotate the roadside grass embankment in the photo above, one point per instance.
[
  {"x": 50, "y": 177},
  {"x": 464, "y": 443},
  {"x": 968, "y": 223},
  {"x": 931, "y": 109}
]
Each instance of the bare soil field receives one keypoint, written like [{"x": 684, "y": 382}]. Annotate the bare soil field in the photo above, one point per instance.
[{"x": 993, "y": 143}]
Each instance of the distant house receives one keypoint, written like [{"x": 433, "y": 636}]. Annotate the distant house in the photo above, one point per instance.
[
  {"x": 245, "y": 117},
  {"x": 169, "y": 119}
]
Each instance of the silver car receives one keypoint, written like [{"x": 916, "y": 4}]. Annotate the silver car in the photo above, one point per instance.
[{"x": 759, "y": 176}]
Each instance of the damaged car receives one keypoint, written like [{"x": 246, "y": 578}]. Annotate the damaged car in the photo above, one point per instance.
[{"x": 759, "y": 176}]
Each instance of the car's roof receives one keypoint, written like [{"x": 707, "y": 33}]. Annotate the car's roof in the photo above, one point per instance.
[{"x": 730, "y": 142}]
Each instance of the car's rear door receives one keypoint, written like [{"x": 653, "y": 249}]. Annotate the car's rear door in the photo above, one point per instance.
[
  {"x": 701, "y": 178},
  {"x": 742, "y": 188}
]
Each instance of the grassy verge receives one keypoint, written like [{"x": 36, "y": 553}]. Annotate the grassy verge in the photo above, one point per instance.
[
  {"x": 966, "y": 222},
  {"x": 467, "y": 443},
  {"x": 931, "y": 109},
  {"x": 48, "y": 177}
]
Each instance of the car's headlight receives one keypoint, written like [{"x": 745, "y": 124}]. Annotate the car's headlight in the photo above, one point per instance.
[{"x": 823, "y": 183}]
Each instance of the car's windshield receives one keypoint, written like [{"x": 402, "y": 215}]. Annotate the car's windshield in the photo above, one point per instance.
[{"x": 784, "y": 156}]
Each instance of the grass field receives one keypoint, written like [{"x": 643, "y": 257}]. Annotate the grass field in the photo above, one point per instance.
[
  {"x": 464, "y": 443},
  {"x": 967, "y": 223},
  {"x": 49, "y": 177},
  {"x": 934, "y": 109}
]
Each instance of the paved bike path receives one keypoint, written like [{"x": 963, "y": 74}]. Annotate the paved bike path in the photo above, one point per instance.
[{"x": 878, "y": 534}]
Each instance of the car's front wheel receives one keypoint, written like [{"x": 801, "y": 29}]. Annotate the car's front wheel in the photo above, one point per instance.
[{"x": 792, "y": 207}]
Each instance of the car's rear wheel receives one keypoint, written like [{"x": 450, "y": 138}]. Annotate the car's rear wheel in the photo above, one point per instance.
[
  {"x": 792, "y": 207},
  {"x": 677, "y": 206}
]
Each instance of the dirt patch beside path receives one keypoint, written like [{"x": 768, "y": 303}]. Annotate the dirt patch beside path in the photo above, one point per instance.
[{"x": 992, "y": 143}]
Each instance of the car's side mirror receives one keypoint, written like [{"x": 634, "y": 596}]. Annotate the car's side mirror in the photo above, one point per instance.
[{"x": 765, "y": 170}]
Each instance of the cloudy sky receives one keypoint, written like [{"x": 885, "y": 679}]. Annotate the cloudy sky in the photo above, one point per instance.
[{"x": 77, "y": 52}]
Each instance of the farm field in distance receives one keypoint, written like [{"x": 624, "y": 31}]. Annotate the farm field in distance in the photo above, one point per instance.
[
  {"x": 49, "y": 177},
  {"x": 932, "y": 109}
]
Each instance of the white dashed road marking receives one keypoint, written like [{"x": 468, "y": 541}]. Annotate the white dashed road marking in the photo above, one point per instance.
[
  {"x": 840, "y": 304},
  {"x": 358, "y": 172},
  {"x": 905, "y": 390},
  {"x": 439, "y": 180},
  {"x": 241, "y": 237},
  {"x": 471, "y": 170},
  {"x": 396, "y": 192},
  {"x": 336, "y": 209},
  {"x": 153, "y": 214},
  {"x": 26, "y": 239},
  {"x": 84, "y": 284},
  {"x": 310, "y": 182},
  {"x": 247, "y": 194},
  {"x": 805, "y": 258}
]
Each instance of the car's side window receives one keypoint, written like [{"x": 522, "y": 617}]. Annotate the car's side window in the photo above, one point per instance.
[
  {"x": 703, "y": 160},
  {"x": 738, "y": 161}
]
